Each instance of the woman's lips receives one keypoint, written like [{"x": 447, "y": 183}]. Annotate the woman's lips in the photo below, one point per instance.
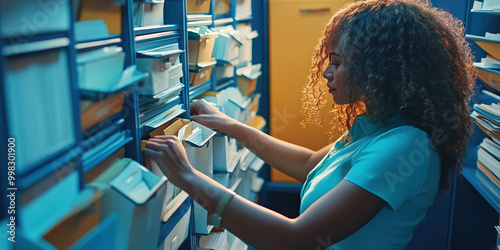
[{"x": 331, "y": 90}]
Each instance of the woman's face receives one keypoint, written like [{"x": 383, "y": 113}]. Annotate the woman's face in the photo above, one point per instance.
[{"x": 336, "y": 78}]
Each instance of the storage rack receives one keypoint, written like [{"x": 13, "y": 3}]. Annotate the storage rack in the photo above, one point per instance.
[{"x": 82, "y": 156}]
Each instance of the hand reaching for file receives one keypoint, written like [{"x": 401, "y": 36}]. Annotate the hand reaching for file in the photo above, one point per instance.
[
  {"x": 170, "y": 155},
  {"x": 204, "y": 113}
]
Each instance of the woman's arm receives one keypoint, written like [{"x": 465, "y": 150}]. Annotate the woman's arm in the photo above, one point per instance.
[
  {"x": 338, "y": 214},
  {"x": 288, "y": 158}
]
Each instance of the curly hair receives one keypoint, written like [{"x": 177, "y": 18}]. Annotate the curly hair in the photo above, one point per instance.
[{"x": 401, "y": 57}]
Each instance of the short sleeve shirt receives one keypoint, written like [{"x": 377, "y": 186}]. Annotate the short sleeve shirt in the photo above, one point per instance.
[{"x": 391, "y": 160}]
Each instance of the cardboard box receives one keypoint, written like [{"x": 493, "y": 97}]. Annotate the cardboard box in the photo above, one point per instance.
[
  {"x": 247, "y": 78},
  {"x": 200, "y": 46},
  {"x": 490, "y": 77},
  {"x": 198, "y": 6},
  {"x": 163, "y": 70},
  {"x": 135, "y": 194},
  {"x": 81, "y": 229},
  {"x": 197, "y": 140},
  {"x": 96, "y": 112},
  {"x": 202, "y": 73}
]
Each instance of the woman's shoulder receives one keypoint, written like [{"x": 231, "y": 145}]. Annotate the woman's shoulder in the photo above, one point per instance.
[{"x": 402, "y": 138}]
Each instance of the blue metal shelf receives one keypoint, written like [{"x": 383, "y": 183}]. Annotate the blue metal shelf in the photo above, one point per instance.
[
  {"x": 199, "y": 89},
  {"x": 102, "y": 135},
  {"x": 98, "y": 127},
  {"x": 483, "y": 185},
  {"x": 54, "y": 164},
  {"x": 107, "y": 148},
  {"x": 155, "y": 29},
  {"x": 124, "y": 85},
  {"x": 35, "y": 46},
  {"x": 167, "y": 227},
  {"x": 95, "y": 44},
  {"x": 492, "y": 12},
  {"x": 34, "y": 38},
  {"x": 227, "y": 83}
]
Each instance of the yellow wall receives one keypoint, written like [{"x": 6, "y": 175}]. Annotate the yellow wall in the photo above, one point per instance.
[{"x": 293, "y": 34}]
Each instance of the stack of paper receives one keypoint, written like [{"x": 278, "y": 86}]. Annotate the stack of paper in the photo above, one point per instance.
[
  {"x": 489, "y": 63},
  {"x": 39, "y": 106},
  {"x": 227, "y": 45},
  {"x": 486, "y": 5},
  {"x": 148, "y": 12},
  {"x": 488, "y": 157},
  {"x": 488, "y": 116},
  {"x": 199, "y": 19}
]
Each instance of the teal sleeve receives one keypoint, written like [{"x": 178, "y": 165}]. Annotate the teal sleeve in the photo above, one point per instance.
[{"x": 393, "y": 165}]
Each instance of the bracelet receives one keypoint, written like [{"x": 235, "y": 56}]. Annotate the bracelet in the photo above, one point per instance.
[{"x": 215, "y": 218}]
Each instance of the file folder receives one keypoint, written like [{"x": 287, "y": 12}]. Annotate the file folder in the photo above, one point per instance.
[
  {"x": 164, "y": 69},
  {"x": 148, "y": 13},
  {"x": 135, "y": 194},
  {"x": 39, "y": 106},
  {"x": 225, "y": 151},
  {"x": 92, "y": 30},
  {"x": 100, "y": 69},
  {"x": 227, "y": 45}
]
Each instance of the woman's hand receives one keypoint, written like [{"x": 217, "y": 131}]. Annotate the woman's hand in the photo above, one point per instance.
[
  {"x": 204, "y": 113},
  {"x": 170, "y": 155}
]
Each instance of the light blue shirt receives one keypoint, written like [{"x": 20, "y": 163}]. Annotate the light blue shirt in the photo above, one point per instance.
[{"x": 393, "y": 161}]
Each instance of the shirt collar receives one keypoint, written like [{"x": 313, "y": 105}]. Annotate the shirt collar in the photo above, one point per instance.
[{"x": 362, "y": 126}]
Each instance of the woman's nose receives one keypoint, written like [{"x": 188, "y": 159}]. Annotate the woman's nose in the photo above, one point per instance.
[{"x": 328, "y": 74}]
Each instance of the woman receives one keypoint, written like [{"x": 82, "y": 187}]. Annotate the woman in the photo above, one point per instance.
[{"x": 400, "y": 75}]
